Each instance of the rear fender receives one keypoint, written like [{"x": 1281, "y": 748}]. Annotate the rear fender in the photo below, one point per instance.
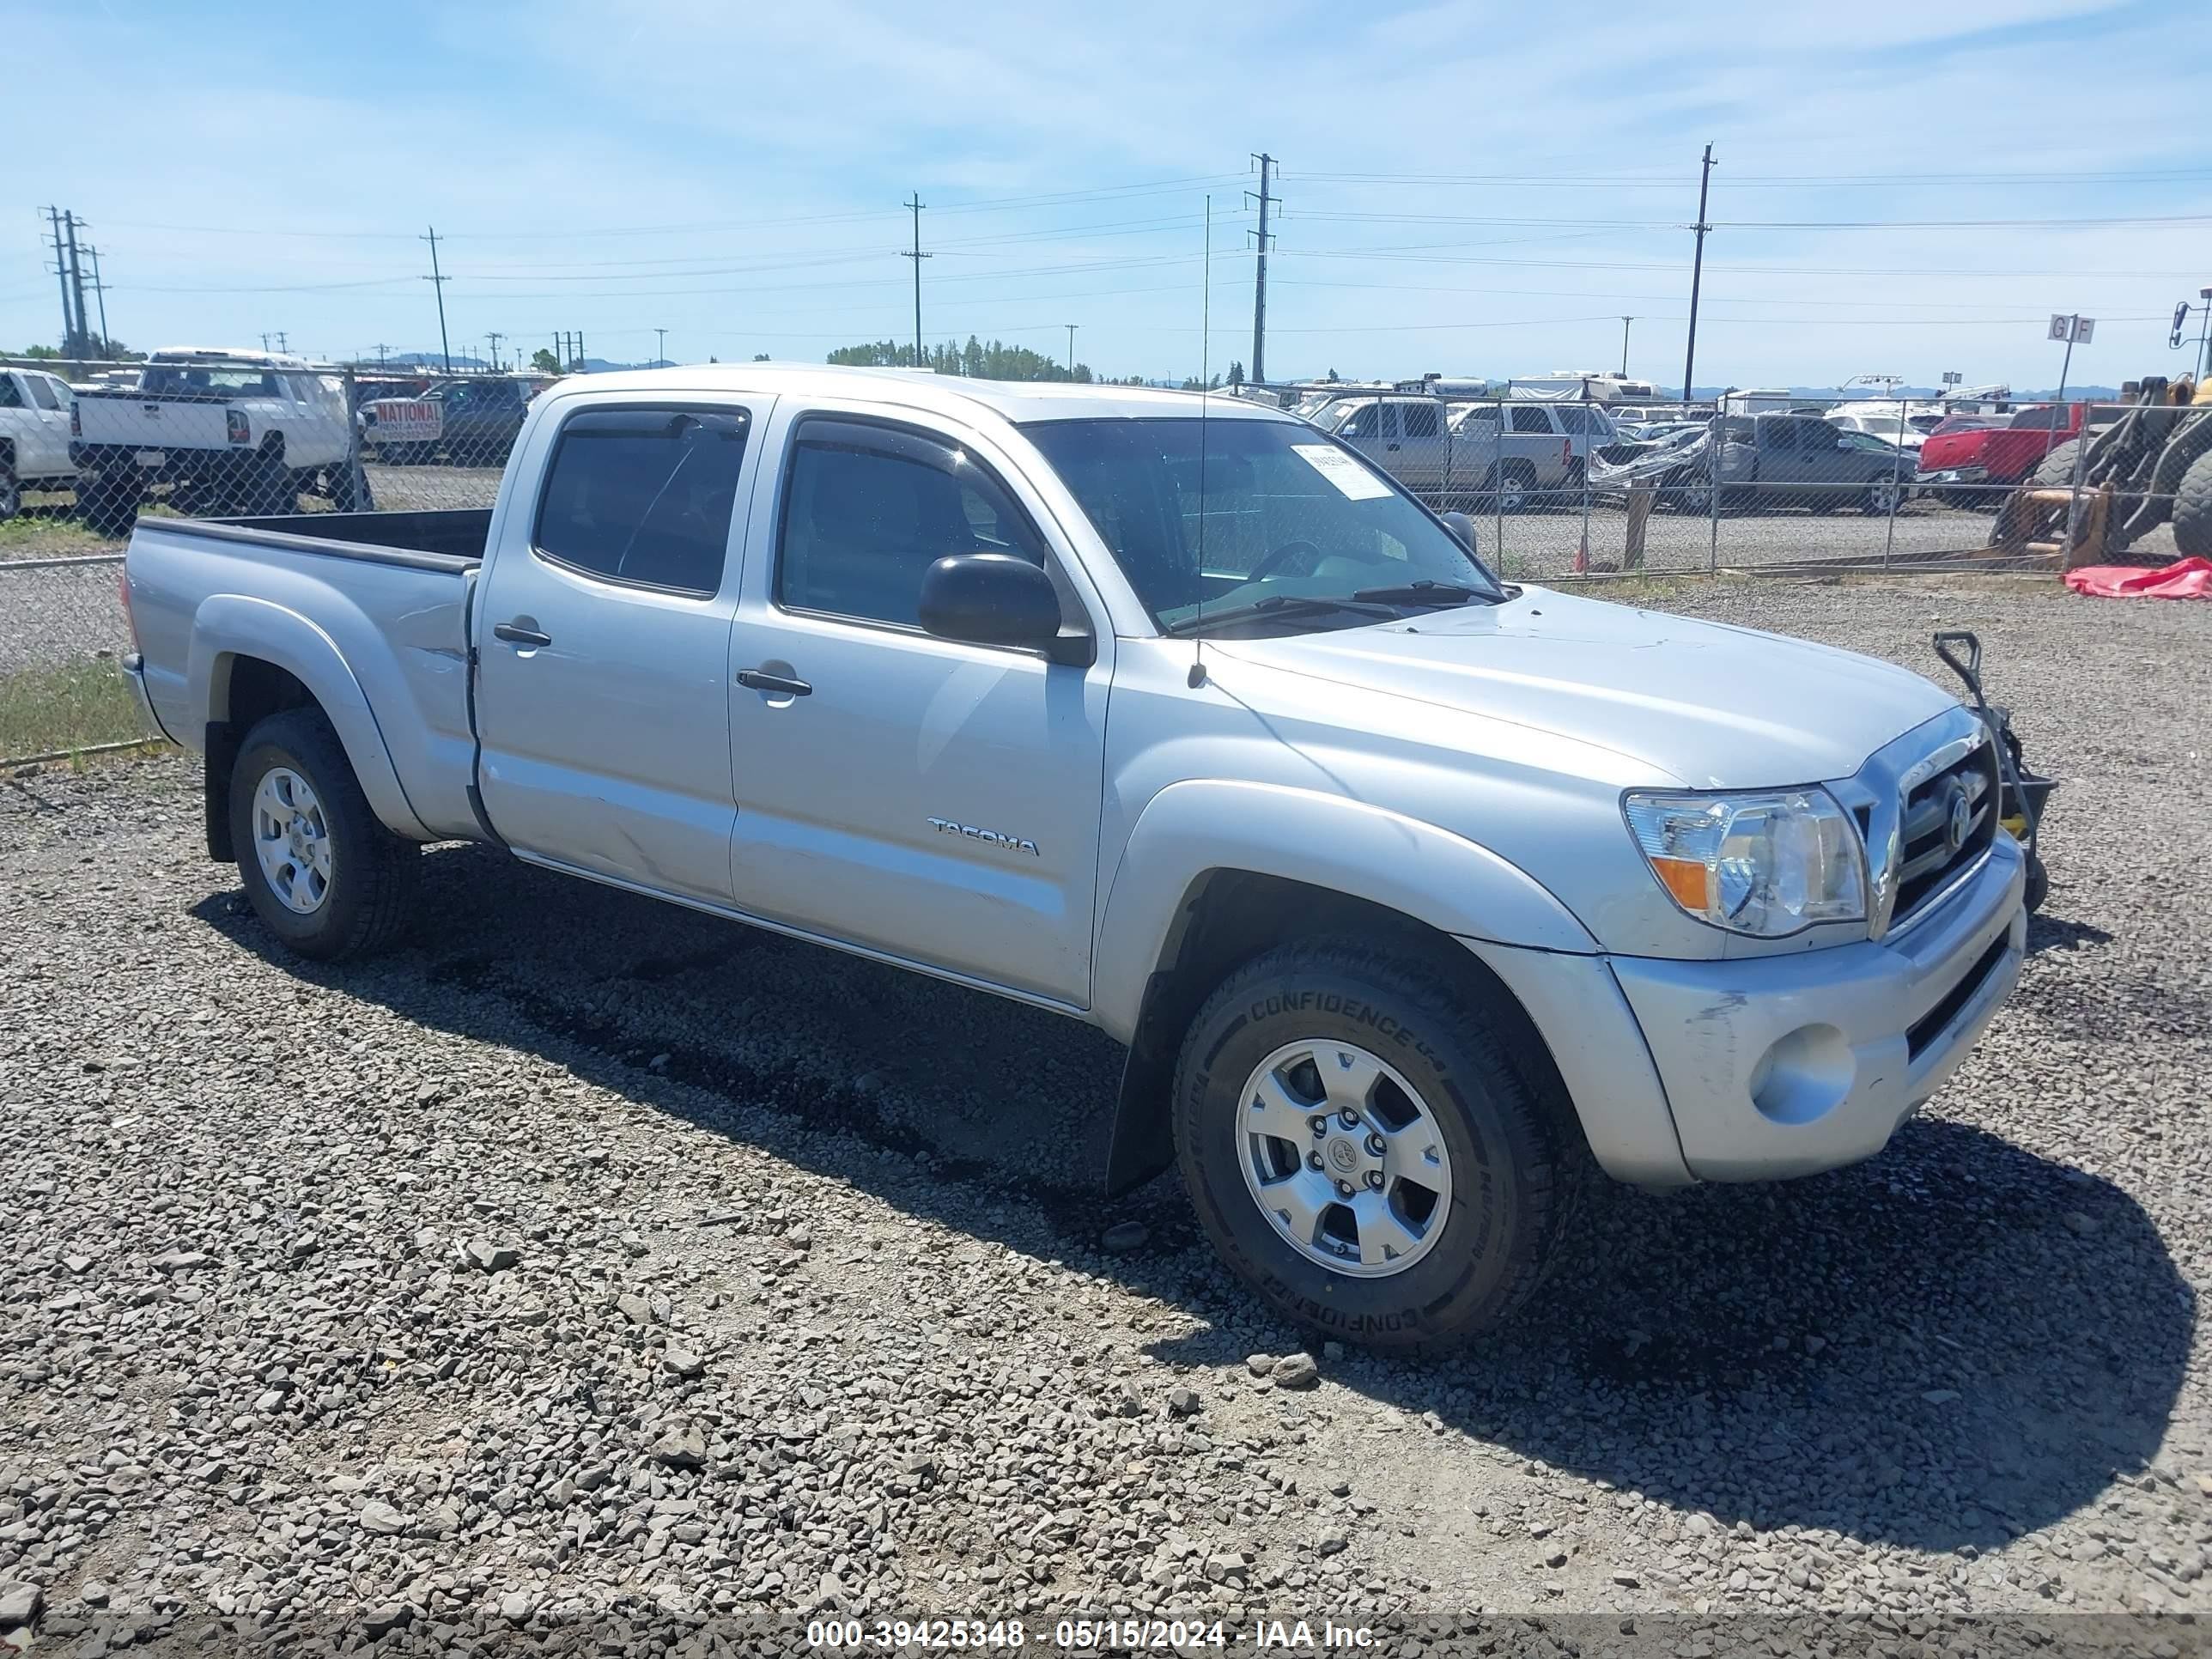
[{"x": 229, "y": 626}]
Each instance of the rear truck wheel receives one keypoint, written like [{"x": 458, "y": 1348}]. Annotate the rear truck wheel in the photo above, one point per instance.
[
  {"x": 108, "y": 502},
  {"x": 348, "y": 496},
  {"x": 2192, "y": 511},
  {"x": 11, "y": 491},
  {"x": 1361, "y": 1153},
  {"x": 1511, "y": 489},
  {"x": 322, "y": 874}
]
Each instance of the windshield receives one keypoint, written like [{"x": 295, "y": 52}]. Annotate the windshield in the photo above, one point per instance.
[{"x": 1276, "y": 511}]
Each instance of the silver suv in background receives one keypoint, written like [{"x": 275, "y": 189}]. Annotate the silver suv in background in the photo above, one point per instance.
[{"x": 1508, "y": 455}]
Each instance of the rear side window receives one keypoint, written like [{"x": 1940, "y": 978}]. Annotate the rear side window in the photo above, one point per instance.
[
  {"x": 10, "y": 397},
  {"x": 2039, "y": 420},
  {"x": 867, "y": 509},
  {"x": 1531, "y": 419},
  {"x": 644, "y": 495},
  {"x": 1778, "y": 434}
]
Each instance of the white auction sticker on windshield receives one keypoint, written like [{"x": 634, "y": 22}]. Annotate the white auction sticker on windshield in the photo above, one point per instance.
[{"x": 1354, "y": 480}]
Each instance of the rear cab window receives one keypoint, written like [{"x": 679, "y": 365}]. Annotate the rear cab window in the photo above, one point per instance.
[{"x": 643, "y": 496}]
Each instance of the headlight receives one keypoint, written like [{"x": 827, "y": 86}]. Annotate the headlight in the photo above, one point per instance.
[{"x": 1768, "y": 865}]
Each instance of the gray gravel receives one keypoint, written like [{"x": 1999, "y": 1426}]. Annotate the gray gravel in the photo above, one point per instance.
[{"x": 589, "y": 1261}]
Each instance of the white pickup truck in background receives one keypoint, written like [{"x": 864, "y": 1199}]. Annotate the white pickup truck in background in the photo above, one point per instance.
[
  {"x": 228, "y": 431},
  {"x": 1414, "y": 894},
  {"x": 34, "y": 436}
]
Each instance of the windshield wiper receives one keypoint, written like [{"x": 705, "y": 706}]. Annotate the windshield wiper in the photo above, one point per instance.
[
  {"x": 1423, "y": 592},
  {"x": 1288, "y": 604}
]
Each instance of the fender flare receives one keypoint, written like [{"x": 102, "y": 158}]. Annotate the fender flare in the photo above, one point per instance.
[
  {"x": 227, "y": 626},
  {"x": 1402, "y": 864},
  {"x": 1190, "y": 830}
]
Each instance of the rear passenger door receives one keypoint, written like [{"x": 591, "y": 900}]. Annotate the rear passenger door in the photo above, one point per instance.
[
  {"x": 935, "y": 801},
  {"x": 603, "y": 633}
]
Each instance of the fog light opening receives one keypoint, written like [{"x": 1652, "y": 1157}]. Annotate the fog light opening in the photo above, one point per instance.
[{"x": 1803, "y": 1075}]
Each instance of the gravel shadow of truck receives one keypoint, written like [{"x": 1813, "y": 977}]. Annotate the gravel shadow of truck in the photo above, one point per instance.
[{"x": 1953, "y": 1343}]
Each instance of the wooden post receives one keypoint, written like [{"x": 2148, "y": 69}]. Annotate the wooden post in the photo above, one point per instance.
[{"x": 1640, "y": 498}]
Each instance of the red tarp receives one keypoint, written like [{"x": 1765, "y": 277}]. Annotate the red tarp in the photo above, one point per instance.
[{"x": 2184, "y": 578}]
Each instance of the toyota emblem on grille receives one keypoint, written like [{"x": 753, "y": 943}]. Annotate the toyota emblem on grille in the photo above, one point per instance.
[{"x": 1960, "y": 823}]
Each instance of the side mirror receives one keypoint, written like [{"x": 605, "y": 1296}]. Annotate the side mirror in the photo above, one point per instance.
[
  {"x": 995, "y": 598},
  {"x": 1464, "y": 527}
]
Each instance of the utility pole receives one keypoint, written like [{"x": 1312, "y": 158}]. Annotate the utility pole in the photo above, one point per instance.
[
  {"x": 82, "y": 347},
  {"x": 2203, "y": 334},
  {"x": 660, "y": 349},
  {"x": 1071, "y": 351},
  {"x": 381, "y": 350},
  {"x": 1696, "y": 275},
  {"x": 917, "y": 256},
  {"x": 61, "y": 269},
  {"x": 99, "y": 290},
  {"x": 437, "y": 280},
  {"x": 1624, "y": 322},
  {"x": 492, "y": 338},
  {"x": 580, "y": 351},
  {"x": 1260, "y": 276},
  {"x": 283, "y": 343}
]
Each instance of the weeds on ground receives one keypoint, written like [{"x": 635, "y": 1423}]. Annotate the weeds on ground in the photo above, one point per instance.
[{"x": 46, "y": 709}]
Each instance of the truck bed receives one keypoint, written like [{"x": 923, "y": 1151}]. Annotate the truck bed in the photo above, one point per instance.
[
  {"x": 372, "y": 608},
  {"x": 441, "y": 538}
]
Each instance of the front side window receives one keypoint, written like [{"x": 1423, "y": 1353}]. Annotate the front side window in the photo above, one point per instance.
[
  {"x": 1356, "y": 421},
  {"x": 867, "y": 509},
  {"x": 42, "y": 392},
  {"x": 1237, "y": 512},
  {"x": 644, "y": 495}
]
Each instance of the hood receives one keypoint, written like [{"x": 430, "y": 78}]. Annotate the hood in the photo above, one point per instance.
[{"x": 1704, "y": 703}]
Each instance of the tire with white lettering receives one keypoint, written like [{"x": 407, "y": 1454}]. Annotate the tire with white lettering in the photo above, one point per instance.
[{"x": 1362, "y": 1151}]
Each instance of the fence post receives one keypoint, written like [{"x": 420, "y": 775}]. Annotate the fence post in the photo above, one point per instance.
[
  {"x": 1589, "y": 446},
  {"x": 1713, "y": 490},
  {"x": 1498, "y": 477},
  {"x": 2074, "y": 499},
  {"x": 1896, "y": 487},
  {"x": 358, "y": 478},
  {"x": 1443, "y": 425}
]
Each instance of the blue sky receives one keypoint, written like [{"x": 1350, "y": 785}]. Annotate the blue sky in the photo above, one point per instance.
[{"x": 1471, "y": 188}]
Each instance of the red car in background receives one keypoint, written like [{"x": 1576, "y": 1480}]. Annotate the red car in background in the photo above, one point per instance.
[{"x": 1974, "y": 467}]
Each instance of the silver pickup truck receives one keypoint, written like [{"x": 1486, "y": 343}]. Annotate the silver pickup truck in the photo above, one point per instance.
[{"x": 1414, "y": 895}]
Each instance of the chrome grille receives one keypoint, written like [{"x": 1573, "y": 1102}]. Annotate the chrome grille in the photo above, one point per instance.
[{"x": 1933, "y": 846}]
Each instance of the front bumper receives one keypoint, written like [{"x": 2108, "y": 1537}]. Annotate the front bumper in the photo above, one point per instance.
[
  {"x": 1783, "y": 1065},
  {"x": 1954, "y": 475}
]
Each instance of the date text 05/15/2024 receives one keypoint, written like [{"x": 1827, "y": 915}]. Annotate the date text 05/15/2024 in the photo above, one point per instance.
[{"x": 1081, "y": 1635}]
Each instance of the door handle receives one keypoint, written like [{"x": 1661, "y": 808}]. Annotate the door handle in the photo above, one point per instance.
[
  {"x": 1389, "y": 445},
  {"x": 514, "y": 634},
  {"x": 755, "y": 679}
]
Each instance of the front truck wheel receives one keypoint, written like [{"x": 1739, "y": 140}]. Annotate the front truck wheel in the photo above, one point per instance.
[
  {"x": 320, "y": 870},
  {"x": 1361, "y": 1152}
]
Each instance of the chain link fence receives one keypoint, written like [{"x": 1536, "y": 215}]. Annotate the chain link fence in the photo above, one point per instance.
[
  {"x": 1771, "y": 482},
  {"x": 1561, "y": 485}
]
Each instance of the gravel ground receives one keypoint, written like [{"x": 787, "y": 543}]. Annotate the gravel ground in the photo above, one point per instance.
[{"x": 591, "y": 1266}]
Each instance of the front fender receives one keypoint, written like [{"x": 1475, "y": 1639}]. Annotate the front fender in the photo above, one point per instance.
[
  {"x": 1190, "y": 828},
  {"x": 229, "y": 626}
]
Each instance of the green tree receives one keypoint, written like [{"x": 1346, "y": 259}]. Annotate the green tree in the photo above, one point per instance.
[
  {"x": 760, "y": 357},
  {"x": 544, "y": 361},
  {"x": 978, "y": 360},
  {"x": 1236, "y": 373}
]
